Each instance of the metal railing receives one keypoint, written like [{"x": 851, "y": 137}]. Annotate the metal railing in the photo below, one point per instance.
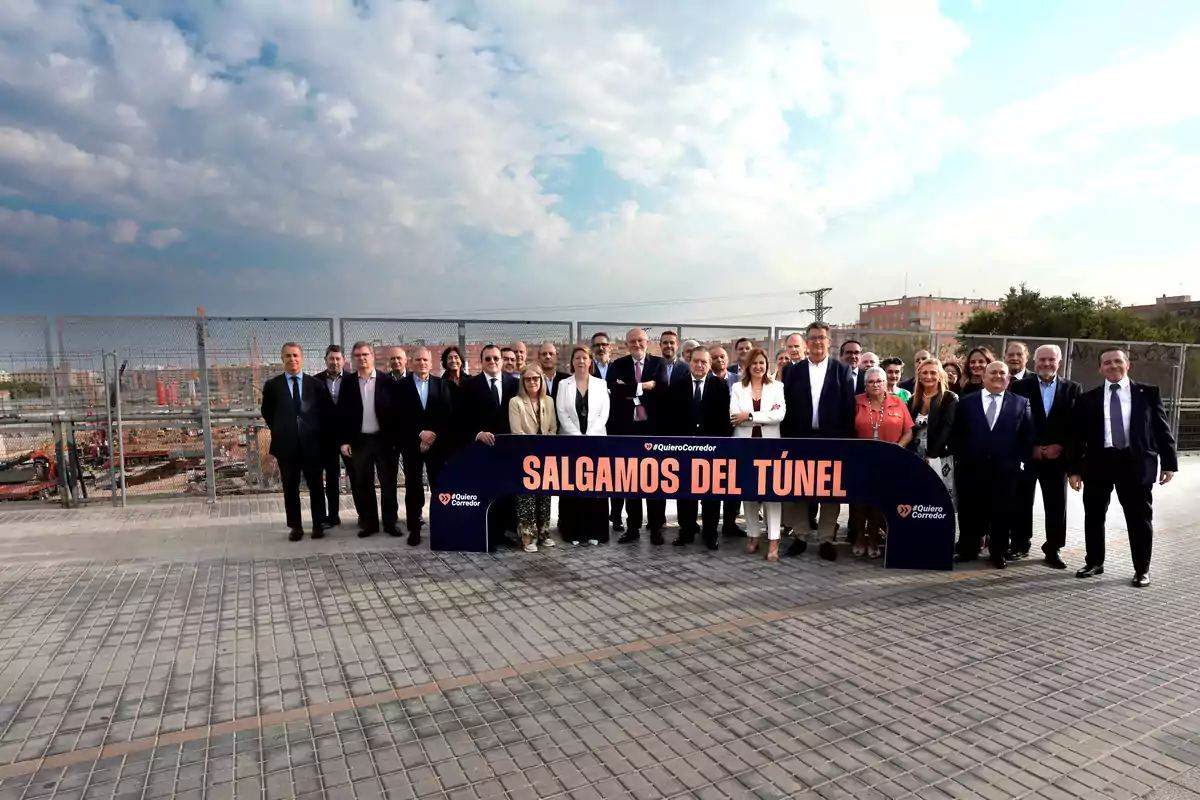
[{"x": 107, "y": 408}]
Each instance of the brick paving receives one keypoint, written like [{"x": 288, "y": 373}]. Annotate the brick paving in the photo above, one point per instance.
[{"x": 179, "y": 650}]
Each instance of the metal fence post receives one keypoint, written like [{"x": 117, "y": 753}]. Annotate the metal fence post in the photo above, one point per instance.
[
  {"x": 120, "y": 430},
  {"x": 61, "y": 462},
  {"x": 210, "y": 473},
  {"x": 109, "y": 400},
  {"x": 462, "y": 338}
]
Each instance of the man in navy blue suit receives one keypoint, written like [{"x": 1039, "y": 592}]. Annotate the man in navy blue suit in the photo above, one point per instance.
[
  {"x": 820, "y": 405},
  {"x": 1121, "y": 441},
  {"x": 992, "y": 441}
]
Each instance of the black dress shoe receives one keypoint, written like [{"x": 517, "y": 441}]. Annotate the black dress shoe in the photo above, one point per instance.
[
  {"x": 414, "y": 537},
  {"x": 1141, "y": 580},
  {"x": 1090, "y": 571},
  {"x": 828, "y": 551},
  {"x": 1055, "y": 561},
  {"x": 656, "y": 538},
  {"x": 333, "y": 522},
  {"x": 797, "y": 547},
  {"x": 711, "y": 542},
  {"x": 370, "y": 530},
  {"x": 959, "y": 558},
  {"x": 392, "y": 530},
  {"x": 296, "y": 534},
  {"x": 681, "y": 541},
  {"x": 318, "y": 532},
  {"x": 733, "y": 532},
  {"x": 618, "y": 527},
  {"x": 999, "y": 563},
  {"x": 632, "y": 536},
  {"x": 1014, "y": 555}
]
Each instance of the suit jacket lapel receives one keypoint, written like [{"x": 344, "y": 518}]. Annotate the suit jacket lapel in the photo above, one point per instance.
[{"x": 1136, "y": 401}]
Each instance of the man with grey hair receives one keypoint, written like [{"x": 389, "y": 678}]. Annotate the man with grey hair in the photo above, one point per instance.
[
  {"x": 1052, "y": 401},
  {"x": 686, "y": 349}
]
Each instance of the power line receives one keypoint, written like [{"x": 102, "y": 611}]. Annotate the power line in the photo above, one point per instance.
[{"x": 619, "y": 305}]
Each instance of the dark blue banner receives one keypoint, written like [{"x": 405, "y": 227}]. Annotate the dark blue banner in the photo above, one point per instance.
[{"x": 920, "y": 518}]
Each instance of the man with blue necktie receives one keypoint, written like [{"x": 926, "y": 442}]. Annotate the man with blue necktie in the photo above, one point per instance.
[
  {"x": 1052, "y": 400},
  {"x": 992, "y": 440},
  {"x": 1121, "y": 440},
  {"x": 426, "y": 416},
  {"x": 296, "y": 408}
]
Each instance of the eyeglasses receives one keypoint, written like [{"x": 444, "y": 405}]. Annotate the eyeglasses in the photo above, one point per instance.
[
  {"x": 853, "y": 353},
  {"x": 818, "y": 338},
  {"x": 601, "y": 344},
  {"x": 533, "y": 380},
  {"x": 490, "y": 359}
]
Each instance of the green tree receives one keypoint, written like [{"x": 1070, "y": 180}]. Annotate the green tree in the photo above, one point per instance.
[{"x": 1024, "y": 312}]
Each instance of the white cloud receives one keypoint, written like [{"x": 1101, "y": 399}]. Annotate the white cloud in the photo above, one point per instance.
[
  {"x": 163, "y": 238},
  {"x": 123, "y": 231},
  {"x": 1074, "y": 117},
  {"x": 392, "y": 132}
]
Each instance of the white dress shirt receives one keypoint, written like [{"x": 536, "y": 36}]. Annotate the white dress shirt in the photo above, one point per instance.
[
  {"x": 985, "y": 397},
  {"x": 816, "y": 381},
  {"x": 366, "y": 388},
  {"x": 698, "y": 382},
  {"x": 1126, "y": 397},
  {"x": 602, "y": 369}
]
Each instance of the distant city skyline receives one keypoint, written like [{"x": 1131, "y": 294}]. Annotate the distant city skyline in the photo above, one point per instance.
[{"x": 571, "y": 162}]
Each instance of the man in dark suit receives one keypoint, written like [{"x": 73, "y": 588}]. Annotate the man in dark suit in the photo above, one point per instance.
[
  {"x": 370, "y": 432},
  {"x": 426, "y": 418},
  {"x": 1121, "y": 440},
  {"x": 820, "y": 404},
  {"x": 296, "y": 408},
  {"x": 484, "y": 416},
  {"x": 729, "y": 508},
  {"x": 698, "y": 406},
  {"x": 1052, "y": 401},
  {"x": 850, "y": 352},
  {"x": 637, "y": 384},
  {"x": 992, "y": 439},
  {"x": 910, "y": 384},
  {"x": 397, "y": 358},
  {"x": 333, "y": 378},
  {"x": 601, "y": 353},
  {"x": 676, "y": 364},
  {"x": 548, "y": 361}
]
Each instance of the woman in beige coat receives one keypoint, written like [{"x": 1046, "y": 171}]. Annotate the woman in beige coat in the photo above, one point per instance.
[{"x": 531, "y": 413}]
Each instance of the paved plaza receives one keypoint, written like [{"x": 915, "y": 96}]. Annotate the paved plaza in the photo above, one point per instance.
[{"x": 178, "y": 650}]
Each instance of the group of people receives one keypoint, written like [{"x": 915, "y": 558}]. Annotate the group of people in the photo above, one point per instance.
[{"x": 1028, "y": 428}]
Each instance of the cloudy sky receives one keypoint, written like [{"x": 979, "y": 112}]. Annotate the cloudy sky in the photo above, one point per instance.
[{"x": 599, "y": 160}]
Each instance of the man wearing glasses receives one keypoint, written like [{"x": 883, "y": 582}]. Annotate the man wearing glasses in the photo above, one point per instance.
[
  {"x": 485, "y": 416},
  {"x": 601, "y": 354},
  {"x": 820, "y": 405},
  {"x": 850, "y": 353}
]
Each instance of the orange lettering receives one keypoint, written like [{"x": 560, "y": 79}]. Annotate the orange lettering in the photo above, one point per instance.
[
  {"x": 762, "y": 465},
  {"x": 670, "y": 476},
  {"x": 583, "y": 474},
  {"x": 604, "y": 477},
  {"x": 550, "y": 474},
  {"x": 649, "y": 475},
  {"x": 720, "y": 473},
  {"x": 734, "y": 489},
  {"x": 626, "y": 477},
  {"x": 823, "y": 478},
  {"x": 783, "y": 479},
  {"x": 533, "y": 477},
  {"x": 804, "y": 484},
  {"x": 838, "y": 491},
  {"x": 701, "y": 476}
]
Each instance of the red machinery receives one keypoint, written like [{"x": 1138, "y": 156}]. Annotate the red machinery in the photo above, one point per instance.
[{"x": 29, "y": 476}]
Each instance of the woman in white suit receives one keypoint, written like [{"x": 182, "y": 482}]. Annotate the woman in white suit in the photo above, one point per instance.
[
  {"x": 756, "y": 408},
  {"x": 582, "y": 411}
]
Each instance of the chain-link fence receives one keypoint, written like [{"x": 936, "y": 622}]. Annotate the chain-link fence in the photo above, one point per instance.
[
  {"x": 616, "y": 332},
  {"x": 184, "y": 392}
]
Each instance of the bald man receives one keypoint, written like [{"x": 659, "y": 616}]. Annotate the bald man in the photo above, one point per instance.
[{"x": 637, "y": 384}]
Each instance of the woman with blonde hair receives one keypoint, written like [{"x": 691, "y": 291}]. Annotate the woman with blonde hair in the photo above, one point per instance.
[
  {"x": 531, "y": 413},
  {"x": 583, "y": 407},
  {"x": 756, "y": 408},
  {"x": 933, "y": 407}
]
